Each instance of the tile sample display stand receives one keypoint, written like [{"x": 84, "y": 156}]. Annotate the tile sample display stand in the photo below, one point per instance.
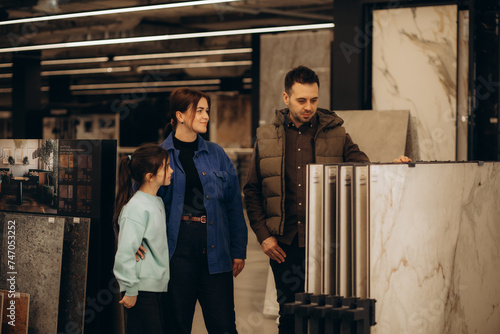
[{"x": 420, "y": 239}]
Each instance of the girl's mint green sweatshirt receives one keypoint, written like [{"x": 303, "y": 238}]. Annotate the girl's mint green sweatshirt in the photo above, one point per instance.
[{"x": 142, "y": 221}]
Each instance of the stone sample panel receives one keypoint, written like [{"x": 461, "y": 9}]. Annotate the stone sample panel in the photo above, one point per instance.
[
  {"x": 382, "y": 135},
  {"x": 434, "y": 247},
  {"x": 414, "y": 67},
  {"x": 279, "y": 54},
  {"x": 73, "y": 274},
  {"x": 18, "y": 325},
  {"x": 37, "y": 269}
]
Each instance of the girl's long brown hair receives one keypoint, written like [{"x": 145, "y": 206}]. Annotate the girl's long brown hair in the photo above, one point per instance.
[{"x": 147, "y": 158}]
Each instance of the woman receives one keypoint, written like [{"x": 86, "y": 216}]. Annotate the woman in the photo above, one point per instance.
[{"x": 207, "y": 233}]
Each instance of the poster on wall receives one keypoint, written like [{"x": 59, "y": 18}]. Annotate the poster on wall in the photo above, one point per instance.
[
  {"x": 79, "y": 177},
  {"x": 51, "y": 176},
  {"x": 28, "y": 182}
]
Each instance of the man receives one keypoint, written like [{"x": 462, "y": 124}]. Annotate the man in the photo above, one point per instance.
[{"x": 275, "y": 192}]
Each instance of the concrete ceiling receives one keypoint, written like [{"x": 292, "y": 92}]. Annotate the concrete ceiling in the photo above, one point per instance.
[{"x": 232, "y": 15}]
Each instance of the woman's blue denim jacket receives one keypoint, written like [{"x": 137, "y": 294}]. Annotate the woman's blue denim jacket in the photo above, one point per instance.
[{"x": 227, "y": 234}]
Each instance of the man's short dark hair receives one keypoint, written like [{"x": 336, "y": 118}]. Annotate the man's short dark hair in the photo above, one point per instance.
[{"x": 300, "y": 74}]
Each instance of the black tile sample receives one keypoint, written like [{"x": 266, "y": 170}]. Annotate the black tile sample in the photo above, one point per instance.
[
  {"x": 73, "y": 275},
  {"x": 37, "y": 268}
]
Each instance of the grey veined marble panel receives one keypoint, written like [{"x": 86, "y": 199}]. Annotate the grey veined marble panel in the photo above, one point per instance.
[
  {"x": 38, "y": 257},
  {"x": 74, "y": 274},
  {"x": 435, "y": 247}
]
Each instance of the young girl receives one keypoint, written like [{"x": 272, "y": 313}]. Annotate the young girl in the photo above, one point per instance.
[{"x": 140, "y": 220}]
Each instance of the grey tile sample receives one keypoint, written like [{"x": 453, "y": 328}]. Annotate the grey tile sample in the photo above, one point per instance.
[
  {"x": 314, "y": 229},
  {"x": 381, "y": 135},
  {"x": 279, "y": 55},
  {"x": 73, "y": 274},
  {"x": 39, "y": 246}
]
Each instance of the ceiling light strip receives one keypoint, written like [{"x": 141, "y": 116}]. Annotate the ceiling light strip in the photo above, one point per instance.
[
  {"x": 195, "y": 65},
  {"x": 139, "y": 57},
  {"x": 74, "y": 61},
  {"x": 168, "y": 37},
  {"x": 114, "y": 11},
  {"x": 146, "y": 84},
  {"x": 183, "y": 54},
  {"x": 88, "y": 71},
  {"x": 148, "y": 90}
]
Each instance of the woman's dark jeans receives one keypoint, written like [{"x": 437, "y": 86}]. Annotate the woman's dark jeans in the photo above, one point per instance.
[{"x": 190, "y": 281}]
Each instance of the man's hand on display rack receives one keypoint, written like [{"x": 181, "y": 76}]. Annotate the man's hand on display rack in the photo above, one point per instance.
[
  {"x": 141, "y": 252},
  {"x": 238, "y": 265},
  {"x": 402, "y": 158},
  {"x": 128, "y": 301},
  {"x": 273, "y": 250}
]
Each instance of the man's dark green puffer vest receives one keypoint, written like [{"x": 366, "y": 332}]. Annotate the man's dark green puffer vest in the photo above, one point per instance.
[{"x": 329, "y": 147}]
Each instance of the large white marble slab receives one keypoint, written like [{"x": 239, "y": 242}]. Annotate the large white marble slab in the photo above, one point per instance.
[
  {"x": 435, "y": 248},
  {"x": 415, "y": 68},
  {"x": 279, "y": 53}
]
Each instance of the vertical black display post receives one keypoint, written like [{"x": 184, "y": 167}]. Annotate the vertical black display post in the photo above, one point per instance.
[
  {"x": 59, "y": 89},
  {"x": 87, "y": 174},
  {"x": 26, "y": 95},
  {"x": 484, "y": 48},
  {"x": 348, "y": 50},
  {"x": 255, "y": 84}
]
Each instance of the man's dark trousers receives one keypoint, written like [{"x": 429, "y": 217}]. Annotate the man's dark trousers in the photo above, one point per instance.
[{"x": 289, "y": 278}]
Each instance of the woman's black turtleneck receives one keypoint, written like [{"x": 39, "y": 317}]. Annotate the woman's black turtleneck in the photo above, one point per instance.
[{"x": 193, "y": 194}]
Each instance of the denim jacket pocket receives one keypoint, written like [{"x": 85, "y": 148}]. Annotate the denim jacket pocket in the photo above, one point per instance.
[{"x": 221, "y": 178}]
